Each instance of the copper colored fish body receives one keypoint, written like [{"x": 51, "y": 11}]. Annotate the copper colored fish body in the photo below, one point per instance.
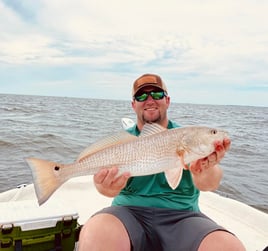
[{"x": 155, "y": 150}]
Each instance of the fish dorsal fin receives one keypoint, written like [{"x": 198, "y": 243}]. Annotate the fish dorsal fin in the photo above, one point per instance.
[
  {"x": 151, "y": 129},
  {"x": 120, "y": 138}
]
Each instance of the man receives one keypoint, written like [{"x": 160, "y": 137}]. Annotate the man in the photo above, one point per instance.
[{"x": 147, "y": 215}]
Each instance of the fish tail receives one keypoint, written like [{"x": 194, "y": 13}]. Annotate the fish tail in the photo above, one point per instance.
[{"x": 46, "y": 177}]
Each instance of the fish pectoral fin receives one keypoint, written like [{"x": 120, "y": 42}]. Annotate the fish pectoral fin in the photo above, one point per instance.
[
  {"x": 173, "y": 176},
  {"x": 181, "y": 154}
]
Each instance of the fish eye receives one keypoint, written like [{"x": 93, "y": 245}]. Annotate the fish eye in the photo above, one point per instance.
[{"x": 213, "y": 131}]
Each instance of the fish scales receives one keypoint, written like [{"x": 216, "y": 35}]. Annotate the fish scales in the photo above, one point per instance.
[{"x": 127, "y": 157}]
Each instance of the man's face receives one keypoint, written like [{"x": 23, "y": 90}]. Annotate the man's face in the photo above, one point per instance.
[{"x": 151, "y": 110}]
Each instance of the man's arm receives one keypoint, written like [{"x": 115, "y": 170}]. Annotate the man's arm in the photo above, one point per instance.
[{"x": 206, "y": 172}]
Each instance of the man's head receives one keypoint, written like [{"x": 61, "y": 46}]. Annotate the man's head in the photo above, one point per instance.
[
  {"x": 148, "y": 80},
  {"x": 150, "y": 100}
]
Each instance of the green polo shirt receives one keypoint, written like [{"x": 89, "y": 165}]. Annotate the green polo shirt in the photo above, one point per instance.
[{"x": 154, "y": 191}]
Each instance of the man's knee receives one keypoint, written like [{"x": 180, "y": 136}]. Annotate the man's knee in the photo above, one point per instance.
[
  {"x": 104, "y": 232},
  {"x": 221, "y": 240}
]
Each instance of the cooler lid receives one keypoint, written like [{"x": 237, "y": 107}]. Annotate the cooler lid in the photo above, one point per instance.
[{"x": 29, "y": 215}]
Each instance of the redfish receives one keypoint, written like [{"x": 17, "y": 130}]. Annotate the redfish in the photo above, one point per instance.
[{"x": 155, "y": 150}]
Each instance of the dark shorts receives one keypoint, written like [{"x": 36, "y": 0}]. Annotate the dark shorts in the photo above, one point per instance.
[{"x": 162, "y": 229}]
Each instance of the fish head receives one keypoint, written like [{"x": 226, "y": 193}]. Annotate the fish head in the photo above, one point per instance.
[{"x": 199, "y": 141}]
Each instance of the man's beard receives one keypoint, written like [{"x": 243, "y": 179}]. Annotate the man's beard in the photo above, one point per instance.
[{"x": 157, "y": 120}]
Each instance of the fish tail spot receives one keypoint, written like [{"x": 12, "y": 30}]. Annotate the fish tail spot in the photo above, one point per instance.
[{"x": 56, "y": 168}]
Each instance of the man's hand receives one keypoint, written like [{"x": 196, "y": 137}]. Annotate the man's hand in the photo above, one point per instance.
[
  {"x": 206, "y": 172},
  {"x": 109, "y": 183}
]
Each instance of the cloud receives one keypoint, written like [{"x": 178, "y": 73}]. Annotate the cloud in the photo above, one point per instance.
[{"x": 204, "y": 43}]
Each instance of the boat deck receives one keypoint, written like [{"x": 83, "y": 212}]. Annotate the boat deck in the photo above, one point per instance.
[{"x": 79, "y": 195}]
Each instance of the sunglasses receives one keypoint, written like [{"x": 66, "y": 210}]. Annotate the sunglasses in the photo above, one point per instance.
[{"x": 156, "y": 95}]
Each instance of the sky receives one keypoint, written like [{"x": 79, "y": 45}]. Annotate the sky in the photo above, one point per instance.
[{"x": 207, "y": 52}]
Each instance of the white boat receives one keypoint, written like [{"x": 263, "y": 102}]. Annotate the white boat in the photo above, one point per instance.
[{"x": 79, "y": 195}]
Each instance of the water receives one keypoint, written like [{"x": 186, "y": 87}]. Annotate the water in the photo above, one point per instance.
[{"x": 59, "y": 128}]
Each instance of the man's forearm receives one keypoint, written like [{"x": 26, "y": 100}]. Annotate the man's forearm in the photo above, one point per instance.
[{"x": 208, "y": 179}]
